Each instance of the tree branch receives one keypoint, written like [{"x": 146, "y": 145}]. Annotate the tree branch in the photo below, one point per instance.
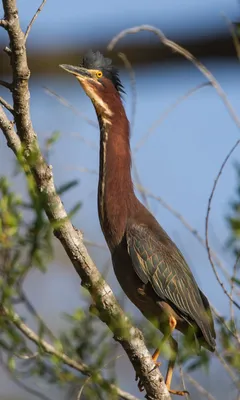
[
  {"x": 106, "y": 305},
  {"x": 200, "y": 389},
  {"x": 33, "y": 19},
  {"x": 207, "y": 222},
  {"x": 13, "y": 141},
  {"x": 3, "y": 23},
  {"x": 185, "y": 53},
  {"x": 49, "y": 349},
  {"x": 21, "y": 74},
  {"x": 5, "y": 84},
  {"x": 6, "y": 105}
]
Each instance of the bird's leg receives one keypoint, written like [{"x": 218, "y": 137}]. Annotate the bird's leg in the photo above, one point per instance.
[
  {"x": 174, "y": 347},
  {"x": 155, "y": 356}
]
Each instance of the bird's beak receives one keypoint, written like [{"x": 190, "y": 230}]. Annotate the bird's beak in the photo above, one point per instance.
[{"x": 79, "y": 72}]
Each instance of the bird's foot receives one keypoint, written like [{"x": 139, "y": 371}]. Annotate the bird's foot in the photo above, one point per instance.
[
  {"x": 179, "y": 392},
  {"x": 140, "y": 383}
]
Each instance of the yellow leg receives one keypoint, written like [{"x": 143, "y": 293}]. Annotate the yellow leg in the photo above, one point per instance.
[
  {"x": 169, "y": 379},
  {"x": 155, "y": 356},
  {"x": 174, "y": 346},
  {"x": 171, "y": 364}
]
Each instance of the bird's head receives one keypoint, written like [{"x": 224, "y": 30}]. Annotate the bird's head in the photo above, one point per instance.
[{"x": 99, "y": 79}]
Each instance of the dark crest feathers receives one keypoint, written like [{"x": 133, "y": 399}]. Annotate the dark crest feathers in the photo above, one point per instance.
[{"x": 96, "y": 60}]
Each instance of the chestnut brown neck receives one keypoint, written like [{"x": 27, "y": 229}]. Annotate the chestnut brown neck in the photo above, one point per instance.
[{"x": 116, "y": 198}]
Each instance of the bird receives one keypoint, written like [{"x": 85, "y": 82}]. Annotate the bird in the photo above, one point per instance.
[{"x": 149, "y": 267}]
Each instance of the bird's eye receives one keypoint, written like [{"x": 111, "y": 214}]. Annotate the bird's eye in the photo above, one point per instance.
[{"x": 99, "y": 74}]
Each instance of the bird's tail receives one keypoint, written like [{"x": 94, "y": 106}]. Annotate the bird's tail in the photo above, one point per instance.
[{"x": 206, "y": 325}]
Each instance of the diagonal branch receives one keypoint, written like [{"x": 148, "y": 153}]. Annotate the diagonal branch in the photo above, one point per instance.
[
  {"x": 166, "y": 113},
  {"x": 66, "y": 103},
  {"x": 199, "y": 388},
  {"x": 13, "y": 140},
  {"x": 106, "y": 305},
  {"x": 5, "y": 84},
  {"x": 6, "y": 105}
]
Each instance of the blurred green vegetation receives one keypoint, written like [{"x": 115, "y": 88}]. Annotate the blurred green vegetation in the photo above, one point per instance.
[{"x": 26, "y": 242}]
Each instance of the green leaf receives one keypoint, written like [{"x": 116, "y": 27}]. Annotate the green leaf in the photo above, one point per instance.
[
  {"x": 11, "y": 364},
  {"x": 237, "y": 281},
  {"x": 53, "y": 139},
  {"x": 78, "y": 314},
  {"x": 67, "y": 186},
  {"x": 75, "y": 209}
]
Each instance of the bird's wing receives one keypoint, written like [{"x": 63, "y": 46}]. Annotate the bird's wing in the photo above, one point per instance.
[{"x": 158, "y": 261}]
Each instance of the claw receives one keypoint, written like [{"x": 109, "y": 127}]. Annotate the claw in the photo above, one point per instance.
[
  {"x": 140, "y": 383},
  {"x": 179, "y": 392}
]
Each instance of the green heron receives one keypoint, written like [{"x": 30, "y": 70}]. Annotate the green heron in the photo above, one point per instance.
[{"x": 149, "y": 267}]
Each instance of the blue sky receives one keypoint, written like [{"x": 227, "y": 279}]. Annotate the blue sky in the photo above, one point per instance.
[
  {"x": 179, "y": 162},
  {"x": 71, "y": 22}
]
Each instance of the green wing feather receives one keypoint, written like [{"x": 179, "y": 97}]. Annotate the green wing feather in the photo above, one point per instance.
[{"x": 158, "y": 261}]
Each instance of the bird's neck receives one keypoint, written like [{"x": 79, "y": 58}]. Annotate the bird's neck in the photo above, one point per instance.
[{"x": 116, "y": 198}]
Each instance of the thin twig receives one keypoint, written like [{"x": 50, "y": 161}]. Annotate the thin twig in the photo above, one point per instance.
[
  {"x": 83, "y": 386},
  {"x": 199, "y": 388},
  {"x": 67, "y": 104},
  {"x": 89, "y": 143},
  {"x": 221, "y": 319},
  {"x": 234, "y": 35},
  {"x": 21, "y": 384},
  {"x": 227, "y": 368},
  {"x": 6, "y": 105},
  {"x": 33, "y": 19},
  {"x": 207, "y": 222},
  {"x": 27, "y": 356},
  {"x": 185, "y": 53},
  {"x": 183, "y": 382},
  {"x": 165, "y": 114},
  {"x": 232, "y": 290},
  {"x": 5, "y": 84},
  {"x": 95, "y": 244},
  {"x": 83, "y": 169}
]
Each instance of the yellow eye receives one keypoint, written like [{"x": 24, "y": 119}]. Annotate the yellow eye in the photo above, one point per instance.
[{"x": 99, "y": 74}]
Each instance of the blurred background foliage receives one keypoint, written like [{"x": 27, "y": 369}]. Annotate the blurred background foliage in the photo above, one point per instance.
[{"x": 179, "y": 163}]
